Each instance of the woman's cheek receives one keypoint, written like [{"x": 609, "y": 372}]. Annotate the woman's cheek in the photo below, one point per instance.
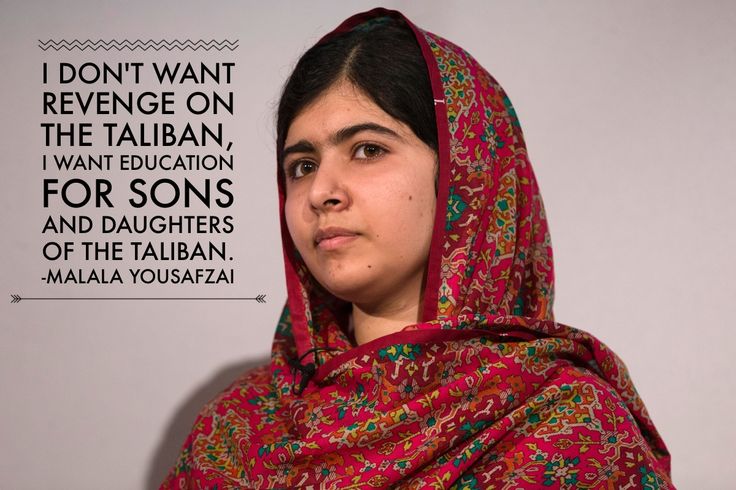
[{"x": 295, "y": 223}]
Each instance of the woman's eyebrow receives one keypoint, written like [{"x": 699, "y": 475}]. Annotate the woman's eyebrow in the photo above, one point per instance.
[
  {"x": 348, "y": 132},
  {"x": 302, "y": 146}
]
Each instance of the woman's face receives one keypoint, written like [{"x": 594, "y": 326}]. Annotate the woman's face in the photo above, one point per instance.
[{"x": 360, "y": 198}]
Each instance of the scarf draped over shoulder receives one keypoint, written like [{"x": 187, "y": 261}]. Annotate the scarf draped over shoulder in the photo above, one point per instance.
[{"x": 487, "y": 391}]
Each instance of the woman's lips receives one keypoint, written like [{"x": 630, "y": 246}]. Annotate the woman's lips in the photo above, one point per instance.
[{"x": 332, "y": 238}]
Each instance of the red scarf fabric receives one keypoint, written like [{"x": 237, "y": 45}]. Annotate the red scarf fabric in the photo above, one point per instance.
[{"x": 488, "y": 391}]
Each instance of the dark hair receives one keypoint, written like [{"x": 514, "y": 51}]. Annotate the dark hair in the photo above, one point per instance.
[{"x": 383, "y": 59}]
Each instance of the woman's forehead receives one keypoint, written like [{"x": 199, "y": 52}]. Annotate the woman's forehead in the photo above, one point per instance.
[{"x": 339, "y": 112}]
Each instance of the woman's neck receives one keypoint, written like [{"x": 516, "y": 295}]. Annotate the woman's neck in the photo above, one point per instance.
[{"x": 371, "y": 323}]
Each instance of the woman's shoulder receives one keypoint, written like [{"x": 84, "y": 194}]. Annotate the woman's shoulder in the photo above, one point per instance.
[
  {"x": 253, "y": 383},
  {"x": 227, "y": 421}
]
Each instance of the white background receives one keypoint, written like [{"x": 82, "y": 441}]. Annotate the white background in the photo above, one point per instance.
[{"x": 628, "y": 109}]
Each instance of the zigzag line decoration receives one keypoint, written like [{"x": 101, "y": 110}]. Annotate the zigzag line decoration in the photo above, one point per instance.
[{"x": 138, "y": 44}]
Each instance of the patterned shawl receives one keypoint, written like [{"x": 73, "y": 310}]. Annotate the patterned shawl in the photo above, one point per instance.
[{"x": 488, "y": 391}]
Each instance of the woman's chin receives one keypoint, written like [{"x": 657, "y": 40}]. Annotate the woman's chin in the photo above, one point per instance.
[{"x": 346, "y": 291}]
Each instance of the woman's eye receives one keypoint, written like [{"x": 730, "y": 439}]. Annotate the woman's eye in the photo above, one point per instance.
[
  {"x": 367, "y": 151},
  {"x": 300, "y": 168}
]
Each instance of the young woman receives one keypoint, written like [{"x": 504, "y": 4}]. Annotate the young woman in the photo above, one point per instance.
[{"x": 417, "y": 348}]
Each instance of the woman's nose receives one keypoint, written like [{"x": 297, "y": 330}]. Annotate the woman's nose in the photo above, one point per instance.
[{"x": 329, "y": 189}]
